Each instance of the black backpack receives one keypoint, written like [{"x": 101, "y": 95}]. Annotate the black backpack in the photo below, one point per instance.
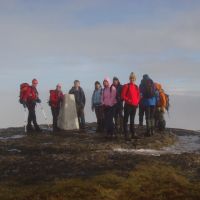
[{"x": 149, "y": 89}]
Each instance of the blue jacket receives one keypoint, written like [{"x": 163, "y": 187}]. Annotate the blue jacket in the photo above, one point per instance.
[
  {"x": 96, "y": 97},
  {"x": 147, "y": 101}
]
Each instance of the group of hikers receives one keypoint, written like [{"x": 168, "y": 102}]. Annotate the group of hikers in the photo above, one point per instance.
[{"x": 113, "y": 104}]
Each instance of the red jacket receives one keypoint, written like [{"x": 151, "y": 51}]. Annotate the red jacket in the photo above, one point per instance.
[
  {"x": 55, "y": 98},
  {"x": 131, "y": 94},
  {"x": 31, "y": 94}
]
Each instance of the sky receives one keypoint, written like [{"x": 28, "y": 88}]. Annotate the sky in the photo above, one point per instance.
[{"x": 63, "y": 40}]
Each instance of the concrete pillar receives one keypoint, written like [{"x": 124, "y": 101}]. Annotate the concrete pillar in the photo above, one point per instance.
[{"x": 67, "y": 119}]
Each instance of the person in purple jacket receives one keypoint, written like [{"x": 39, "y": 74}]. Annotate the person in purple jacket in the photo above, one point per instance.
[{"x": 109, "y": 101}]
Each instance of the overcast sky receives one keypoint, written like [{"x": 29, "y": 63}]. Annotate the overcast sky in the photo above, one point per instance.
[{"x": 62, "y": 40}]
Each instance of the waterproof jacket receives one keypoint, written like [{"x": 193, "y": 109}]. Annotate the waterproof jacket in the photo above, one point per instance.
[
  {"x": 119, "y": 92},
  {"x": 31, "y": 95},
  {"x": 55, "y": 99},
  {"x": 162, "y": 102},
  {"x": 79, "y": 96},
  {"x": 131, "y": 94},
  {"x": 147, "y": 101},
  {"x": 96, "y": 97},
  {"x": 108, "y": 97}
]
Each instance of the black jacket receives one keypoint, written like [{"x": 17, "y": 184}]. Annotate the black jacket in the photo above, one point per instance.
[{"x": 79, "y": 96}]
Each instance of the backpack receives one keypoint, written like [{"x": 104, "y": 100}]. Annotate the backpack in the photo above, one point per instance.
[
  {"x": 149, "y": 89},
  {"x": 24, "y": 87},
  {"x": 53, "y": 99}
]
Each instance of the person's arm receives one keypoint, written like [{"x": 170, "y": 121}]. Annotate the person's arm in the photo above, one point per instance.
[
  {"x": 83, "y": 97},
  {"x": 124, "y": 93},
  {"x": 113, "y": 94}
]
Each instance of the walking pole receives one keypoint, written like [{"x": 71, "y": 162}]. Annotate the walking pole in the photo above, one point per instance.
[
  {"x": 44, "y": 114},
  {"x": 25, "y": 120}
]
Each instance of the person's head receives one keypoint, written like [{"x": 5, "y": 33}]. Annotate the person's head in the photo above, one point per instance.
[
  {"x": 115, "y": 81},
  {"x": 106, "y": 82},
  {"x": 97, "y": 85},
  {"x": 146, "y": 77},
  {"x": 34, "y": 83},
  {"x": 76, "y": 83},
  {"x": 132, "y": 77},
  {"x": 58, "y": 87}
]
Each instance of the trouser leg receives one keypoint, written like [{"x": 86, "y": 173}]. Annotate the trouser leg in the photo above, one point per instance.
[
  {"x": 126, "y": 117},
  {"x": 132, "y": 120}
]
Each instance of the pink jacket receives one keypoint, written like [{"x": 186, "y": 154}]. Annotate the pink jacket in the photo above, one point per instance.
[{"x": 108, "y": 97}]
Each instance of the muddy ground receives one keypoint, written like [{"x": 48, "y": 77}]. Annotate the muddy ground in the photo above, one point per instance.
[{"x": 45, "y": 158}]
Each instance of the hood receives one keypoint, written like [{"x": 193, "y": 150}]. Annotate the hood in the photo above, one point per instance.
[
  {"x": 107, "y": 79},
  {"x": 158, "y": 86}
]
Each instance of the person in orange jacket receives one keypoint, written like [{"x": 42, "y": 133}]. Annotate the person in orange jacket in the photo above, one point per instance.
[
  {"x": 131, "y": 96},
  {"x": 160, "y": 108},
  {"x": 55, "y": 100}
]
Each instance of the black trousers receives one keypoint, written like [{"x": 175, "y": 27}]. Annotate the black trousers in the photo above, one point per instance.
[
  {"x": 109, "y": 112},
  {"x": 31, "y": 114},
  {"x": 81, "y": 116},
  {"x": 100, "y": 117},
  {"x": 55, "y": 113},
  {"x": 141, "y": 113},
  {"x": 129, "y": 110},
  {"x": 119, "y": 116}
]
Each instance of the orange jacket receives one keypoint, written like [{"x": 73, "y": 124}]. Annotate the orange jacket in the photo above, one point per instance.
[{"x": 162, "y": 99}]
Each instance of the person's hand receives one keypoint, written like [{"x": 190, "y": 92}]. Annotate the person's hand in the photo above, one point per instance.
[
  {"x": 163, "y": 109},
  {"x": 24, "y": 104}
]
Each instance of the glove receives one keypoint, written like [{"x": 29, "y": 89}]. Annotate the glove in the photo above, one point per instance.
[
  {"x": 23, "y": 103},
  {"x": 38, "y": 101}
]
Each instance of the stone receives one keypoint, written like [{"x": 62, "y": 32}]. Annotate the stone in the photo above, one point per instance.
[{"x": 67, "y": 119}]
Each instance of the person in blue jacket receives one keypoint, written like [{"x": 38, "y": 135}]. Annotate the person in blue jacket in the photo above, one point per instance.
[{"x": 149, "y": 99}]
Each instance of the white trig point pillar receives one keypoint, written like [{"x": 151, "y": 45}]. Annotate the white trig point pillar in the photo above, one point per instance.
[{"x": 67, "y": 119}]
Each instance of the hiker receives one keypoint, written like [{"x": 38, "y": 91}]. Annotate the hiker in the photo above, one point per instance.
[
  {"x": 131, "y": 96},
  {"x": 148, "y": 93},
  {"x": 97, "y": 106},
  {"x": 119, "y": 106},
  {"x": 108, "y": 99},
  {"x": 161, "y": 107},
  {"x": 141, "y": 106},
  {"x": 29, "y": 100},
  {"x": 80, "y": 102},
  {"x": 55, "y": 100}
]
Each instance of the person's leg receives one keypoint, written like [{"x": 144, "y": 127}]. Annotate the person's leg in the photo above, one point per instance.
[
  {"x": 116, "y": 117},
  {"x": 97, "y": 113},
  {"x": 29, "y": 124},
  {"x": 101, "y": 118},
  {"x": 82, "y": 118},
  {"x": 132, "y": 120},
  {"x": 152, "y": 119},
  {"x": 126, "y": 116},
  {"x": 106, "y": 120},
  {"x": 148, "y": 121},
  {"x": 141, "y": 114}
]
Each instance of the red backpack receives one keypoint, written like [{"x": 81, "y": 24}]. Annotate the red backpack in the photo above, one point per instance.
[
  {"x": 54, "y": 98},
  {"x": 24, "y": 87}
]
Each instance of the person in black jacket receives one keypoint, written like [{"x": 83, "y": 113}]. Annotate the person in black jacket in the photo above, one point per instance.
[{"x": 80, "y": 102}]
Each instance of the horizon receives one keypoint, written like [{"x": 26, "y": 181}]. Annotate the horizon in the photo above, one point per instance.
[{"x": 58, "y": 42}]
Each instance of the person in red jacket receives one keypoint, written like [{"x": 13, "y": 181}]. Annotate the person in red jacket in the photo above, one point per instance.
[
  {"x": 55, "y": 100},
  {"x": 29, "y": 100},
  {"x": 131, "y": 95}
]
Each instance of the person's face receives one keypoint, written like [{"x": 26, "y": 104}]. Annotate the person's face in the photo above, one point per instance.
[
  {"x": 105, "y": 83},
  {"x": 97, "y": 86},
  {"x": 77, "y": 84},
  {"x": 58, "y": 88},
  {"x": 34, "y": 85},
  {"x": 115, "y": 82},
  {"x": 132, "y": 80}
]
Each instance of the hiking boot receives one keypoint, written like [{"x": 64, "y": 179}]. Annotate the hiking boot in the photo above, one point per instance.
[
  {"x": 29, "y": 128},
  {"x": 38, "y": 129},
  {"x": 134, "y": 136}
]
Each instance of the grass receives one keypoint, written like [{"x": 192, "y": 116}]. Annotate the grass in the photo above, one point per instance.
[{"x": 148, "y": 181}]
